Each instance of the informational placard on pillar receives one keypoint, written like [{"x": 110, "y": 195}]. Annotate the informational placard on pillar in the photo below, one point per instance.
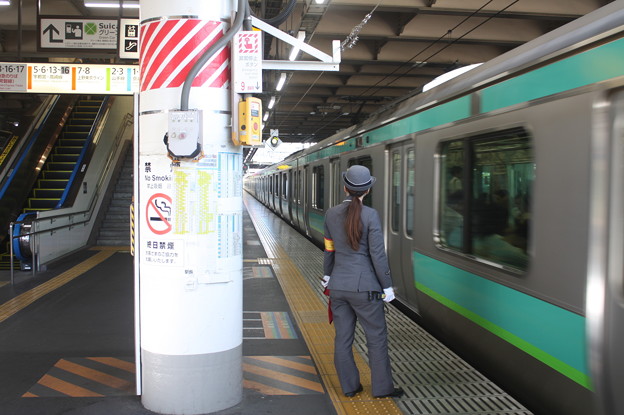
[
  {"x": 247, "y": 62},
  {"x": 194, "y": 208}
]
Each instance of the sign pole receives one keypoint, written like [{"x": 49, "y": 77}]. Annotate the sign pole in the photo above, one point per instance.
[{"x": 189, "y": 213}]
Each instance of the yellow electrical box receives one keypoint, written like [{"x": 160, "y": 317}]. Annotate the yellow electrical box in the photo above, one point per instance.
[{"x": 250, "y": 122}]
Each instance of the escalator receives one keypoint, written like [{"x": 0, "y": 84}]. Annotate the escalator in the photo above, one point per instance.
[
  {"x": 61, "y": 162},
  {"x": 69, "y": 150}
]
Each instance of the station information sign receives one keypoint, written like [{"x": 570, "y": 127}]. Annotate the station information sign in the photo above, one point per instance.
[
  {"x": 78, "y": 33},
  {"x": 63, "y": 78}
]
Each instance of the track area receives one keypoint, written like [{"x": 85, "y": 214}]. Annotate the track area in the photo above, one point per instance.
[{"x": 436, "y": 381}]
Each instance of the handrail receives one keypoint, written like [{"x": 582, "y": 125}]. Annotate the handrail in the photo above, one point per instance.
[
  {"x": 83, "y": 152},
  {"x": 127, "y": 121},
  {"x": 26, "y": 147}
]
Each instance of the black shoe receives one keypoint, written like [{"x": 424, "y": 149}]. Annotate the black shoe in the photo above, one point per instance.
[
  {"x": 355, "y": 392},
  {"x": 396, "y": 393}
]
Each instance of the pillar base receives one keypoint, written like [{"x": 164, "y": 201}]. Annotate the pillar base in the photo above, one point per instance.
[{"x": 192, "y": 384}]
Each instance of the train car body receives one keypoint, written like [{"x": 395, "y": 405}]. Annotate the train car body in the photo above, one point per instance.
[{"x": 502, "y": 201}]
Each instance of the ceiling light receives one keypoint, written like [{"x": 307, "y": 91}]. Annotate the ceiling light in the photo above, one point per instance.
[
  {"x": 271, "y": 102},
  {"x": 114, "y": 4},
  {"x": 319, "y": 1},
  {"x": 266, "y": 116},
  {"x": 280, "y": 83},
  {"x": 5, "y": 2},
  {"x": 295, "y": 50}
]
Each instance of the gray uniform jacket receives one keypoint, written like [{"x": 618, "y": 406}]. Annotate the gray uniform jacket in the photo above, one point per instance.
[{"x": 363, "y": 270}]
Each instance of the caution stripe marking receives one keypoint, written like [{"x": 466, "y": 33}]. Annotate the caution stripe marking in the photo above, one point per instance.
[
  {"x": 281, "y": 375},
  {"x": 110, "y": 376},
  {"x": 87, "y": 377}
]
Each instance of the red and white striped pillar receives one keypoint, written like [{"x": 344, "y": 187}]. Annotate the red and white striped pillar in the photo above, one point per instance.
[{"x": 189, "y": 217}]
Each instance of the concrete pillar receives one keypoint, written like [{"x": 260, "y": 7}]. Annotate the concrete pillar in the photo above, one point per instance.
[{"x": 189, "y": 214}]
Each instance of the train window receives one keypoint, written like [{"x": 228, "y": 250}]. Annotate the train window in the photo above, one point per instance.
[
  {"x": 487, "y": 182},
  {"x": 301, "y": 186},
  {"x": 366, "y": 161},
  {"x": 409, "y": 193},
  {"x": 284, "y": 186},
  {"x": 318, "y": 187},
  {"x": 395, "y": 191}
]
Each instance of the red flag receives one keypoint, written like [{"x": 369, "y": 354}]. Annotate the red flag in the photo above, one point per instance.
[{"x": 329, "y": 311}]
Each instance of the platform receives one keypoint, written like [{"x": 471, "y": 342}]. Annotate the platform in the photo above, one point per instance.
[{"x": 67, "y": 340}]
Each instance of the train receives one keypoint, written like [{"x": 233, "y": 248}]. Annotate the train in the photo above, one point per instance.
[{"x": 502, "y": 199}]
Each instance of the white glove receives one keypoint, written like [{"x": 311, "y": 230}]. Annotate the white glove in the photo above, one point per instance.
[
  {"x": 325, "y": 281},
  {"x": 389, "y": 294}
]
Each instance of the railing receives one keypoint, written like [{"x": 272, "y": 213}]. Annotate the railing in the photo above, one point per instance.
[{"x": 68, "y": 219}]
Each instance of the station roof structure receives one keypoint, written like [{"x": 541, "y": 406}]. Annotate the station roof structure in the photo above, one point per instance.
[{"x": 390, "y": 49}]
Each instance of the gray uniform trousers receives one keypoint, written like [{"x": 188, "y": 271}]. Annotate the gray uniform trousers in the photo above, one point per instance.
[{"x": 348, "y": 306}]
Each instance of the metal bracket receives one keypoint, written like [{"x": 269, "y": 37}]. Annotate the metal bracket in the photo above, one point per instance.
[{"x": 327, "y": 63}]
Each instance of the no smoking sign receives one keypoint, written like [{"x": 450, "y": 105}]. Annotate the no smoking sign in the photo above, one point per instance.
[{"x": 158, "y": 213}]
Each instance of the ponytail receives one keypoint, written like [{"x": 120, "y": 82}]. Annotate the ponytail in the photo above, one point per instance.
[{"x": 353, "y": 224}]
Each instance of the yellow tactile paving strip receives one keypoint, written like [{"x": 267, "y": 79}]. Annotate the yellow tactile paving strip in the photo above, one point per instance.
[
  {"x": 23, "y": 300},
  {"x": 311, "y": 316}
]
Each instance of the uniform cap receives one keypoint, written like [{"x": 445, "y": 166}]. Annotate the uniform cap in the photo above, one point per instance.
[{"x": 358, "y": 178}]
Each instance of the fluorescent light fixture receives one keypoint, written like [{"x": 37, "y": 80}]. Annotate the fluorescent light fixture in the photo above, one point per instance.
[
  {"x": 319, "y": 1},
  {"x": 271, "y": 102},
  {"x": 266, "y": 116},
  {"x": 280, "y": 83},
  {"x": 5, "y": 2},
  {"x": 112, "y": 4},
  {"x": 295, "y": 51}
]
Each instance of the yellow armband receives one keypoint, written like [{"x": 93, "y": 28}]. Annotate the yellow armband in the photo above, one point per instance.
[{"x": 329, "y": 245}]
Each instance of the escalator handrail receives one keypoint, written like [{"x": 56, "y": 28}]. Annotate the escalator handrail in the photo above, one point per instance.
[
  {"x": 24, "y": 152},
  {"x": 83, "y": 152}
]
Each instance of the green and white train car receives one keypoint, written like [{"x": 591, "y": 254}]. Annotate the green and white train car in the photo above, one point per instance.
[{"x": 502, "y": 196}]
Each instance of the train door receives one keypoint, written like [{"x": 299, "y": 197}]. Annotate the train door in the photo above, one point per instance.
[
  {"x": 292, "y": 174},
  {"x": 335, "y": 190},
  {"x": 305, "y": 199},
  {"x": 400, "y": 218},
  {"x": 605, "y": 289}
]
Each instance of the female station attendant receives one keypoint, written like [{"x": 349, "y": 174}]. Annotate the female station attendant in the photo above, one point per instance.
[{"x": 358, "y": 277}]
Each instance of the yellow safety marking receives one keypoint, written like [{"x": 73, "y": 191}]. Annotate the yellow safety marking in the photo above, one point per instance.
[
  {"x": 264, "y": 389},
  {"x": 95, "y": 375},
  {"x": 318, "y": 336},
  {"x": 286, "y": 363},
  {"x": 114, "y": 362},
  {"x": 23, "y": 300},
  {"x": 111, "y": 248},
  {"x": 284, "y": 377},
  {"x": 3, "y": 283},
  {"x": 66, "y": 387}
]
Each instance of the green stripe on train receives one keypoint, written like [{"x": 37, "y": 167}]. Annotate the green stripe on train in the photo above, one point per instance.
[
  {"x": 317, "y": 221},
  {"x": 595, "y": 65},
  {"x": 550, "y": 334}
]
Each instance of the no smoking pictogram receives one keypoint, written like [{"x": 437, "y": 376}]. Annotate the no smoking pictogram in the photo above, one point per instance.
[{"x": 158, "y": 213}]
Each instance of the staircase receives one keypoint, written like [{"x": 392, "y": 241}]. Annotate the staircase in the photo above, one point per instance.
[
  {"x": 57, "y": 170},
  {"x": 115, "y": 228}
]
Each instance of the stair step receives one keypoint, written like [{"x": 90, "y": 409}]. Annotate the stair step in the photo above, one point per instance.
[
  {"x": 48, "y": 193},
  {"x": 56, "y": 175},
  {"x": 42, "y": 203},
  {"x": 52, "y": 183}
]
